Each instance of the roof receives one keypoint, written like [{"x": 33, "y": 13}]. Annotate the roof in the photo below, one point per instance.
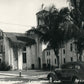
[
  {"x": 19, "y": 38},
  {"x": 31, "y": 30},
  {"x": 71, "y": 63},
  {"x": 42, "y": 11}
]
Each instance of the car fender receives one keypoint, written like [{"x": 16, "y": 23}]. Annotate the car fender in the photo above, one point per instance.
[
  {"x": 52, "y": 74},
  {"x": 74, "y": 75}
]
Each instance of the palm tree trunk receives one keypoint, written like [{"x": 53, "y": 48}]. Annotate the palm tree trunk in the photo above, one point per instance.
[{"x": 56, "y": 51}]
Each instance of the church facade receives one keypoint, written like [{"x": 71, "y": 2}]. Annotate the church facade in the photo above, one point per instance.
[{"x": 20, "y": 51}]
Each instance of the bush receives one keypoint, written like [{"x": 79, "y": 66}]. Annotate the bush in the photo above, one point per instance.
[{"x": 4, "y": 67}]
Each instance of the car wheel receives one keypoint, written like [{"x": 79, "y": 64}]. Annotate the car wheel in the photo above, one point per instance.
[
  {"x": 74, "y": 80},
  {"x": 51, "y": 79}
]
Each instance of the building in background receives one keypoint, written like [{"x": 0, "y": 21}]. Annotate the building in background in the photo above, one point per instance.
[
  {"x": 67, "y": 53},
  {"x": 49, "y": 58}
]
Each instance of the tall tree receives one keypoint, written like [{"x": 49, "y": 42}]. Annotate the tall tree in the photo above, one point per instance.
[
  {"x": 58, "y": 28},
  {"x": 77, "y": 13}
]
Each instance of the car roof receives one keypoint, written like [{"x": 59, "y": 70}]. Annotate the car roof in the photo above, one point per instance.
[{"x": 72, "y": 63}]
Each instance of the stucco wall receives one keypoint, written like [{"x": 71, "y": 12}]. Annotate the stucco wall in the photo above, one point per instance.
[
  {"x": 31, "y": 57},
  {"x": 50, "y": 57},
  {"x": 7, "y": 50},
  {"x": 10, "y": 57},
  {"x": 67, "y": 55}
]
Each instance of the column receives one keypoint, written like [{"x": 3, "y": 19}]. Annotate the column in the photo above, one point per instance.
[
  {"x": 20, "y": 61},
  {"x": 12, "y": 58}
]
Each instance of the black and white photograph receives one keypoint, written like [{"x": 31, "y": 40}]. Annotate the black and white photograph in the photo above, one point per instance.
[{"x": 41, "y": 41}]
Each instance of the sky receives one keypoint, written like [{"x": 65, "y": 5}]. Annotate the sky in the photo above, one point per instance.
[{"x": 20, "y": 15}]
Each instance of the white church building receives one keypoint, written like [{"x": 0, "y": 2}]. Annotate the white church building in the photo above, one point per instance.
[
  {"x": 24, "y": 51},
  {"x": 20, "y": 51}
]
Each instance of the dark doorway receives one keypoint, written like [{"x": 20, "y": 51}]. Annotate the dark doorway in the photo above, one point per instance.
[
  {"x": 32, "y": 66},
  {"x": 39, "y": 63}
]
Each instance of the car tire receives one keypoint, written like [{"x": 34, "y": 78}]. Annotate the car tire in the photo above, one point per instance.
[
  {"x": 51, "y": 80},
  {"x": 74, "y": 79}
]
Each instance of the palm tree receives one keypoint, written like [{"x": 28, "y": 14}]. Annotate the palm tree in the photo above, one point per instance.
[{"x": 58, "y": 28}]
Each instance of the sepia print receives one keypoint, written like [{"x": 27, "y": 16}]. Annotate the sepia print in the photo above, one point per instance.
[{"x": 41, "y": 41}]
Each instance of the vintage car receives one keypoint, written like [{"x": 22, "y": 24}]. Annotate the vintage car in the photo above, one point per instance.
[{"x": 69, "y": 72}]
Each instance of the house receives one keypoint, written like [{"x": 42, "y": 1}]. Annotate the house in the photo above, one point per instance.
[
  {"x": 19, "y": 51},
  {"x": 67, "y": 53},
  {"x": 49, "y": 58}
]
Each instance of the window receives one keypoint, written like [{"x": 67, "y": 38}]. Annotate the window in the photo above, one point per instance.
[
  {"x": 0, "y": 60},
  {"x": 71, "y": 47},
  {"x": 71, "y": 59},
  {"x": 39, "y": 21},
  {"x": 63, "y": 51},
  {"x": 55, "y": 61},
  {"x": 32, "y": 66},
  {"x": 47, "y": 61},
  {"x": 70, "y": 67},
  {"x": 64, "y": 60},
  {"x": 77, "y": 67},
  {"x": 24, "y": 57},
  {"x": 48, "y": 53}
]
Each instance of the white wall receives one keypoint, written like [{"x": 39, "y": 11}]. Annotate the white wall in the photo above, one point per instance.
[
  {"x": 7, "y": 50},
  {"x": 9, "y": 53},
  {"x": 32, "y": 56},
  {"x": 67, "y": 55},
  {"x": 50, "y": 56},
  {"x": 20, "y": 60}
]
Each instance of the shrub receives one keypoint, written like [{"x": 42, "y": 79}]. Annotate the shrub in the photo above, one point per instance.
[{"x": 4, "y": 67}]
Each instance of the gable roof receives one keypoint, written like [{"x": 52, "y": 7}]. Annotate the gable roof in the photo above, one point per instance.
[{"x": 19, "y": 38}]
